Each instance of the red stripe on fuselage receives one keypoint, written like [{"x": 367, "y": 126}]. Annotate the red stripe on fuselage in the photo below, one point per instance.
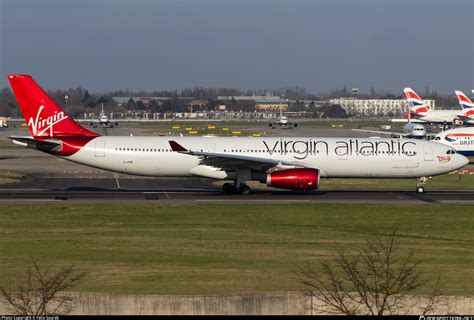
[{"x": 460, "y": 135}]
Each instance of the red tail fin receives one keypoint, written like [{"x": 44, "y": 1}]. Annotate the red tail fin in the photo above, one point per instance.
[{"x": 43, "y": 116}]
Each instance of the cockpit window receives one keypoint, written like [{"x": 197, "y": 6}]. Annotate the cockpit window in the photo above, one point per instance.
[{"x": 450, "y": 152}]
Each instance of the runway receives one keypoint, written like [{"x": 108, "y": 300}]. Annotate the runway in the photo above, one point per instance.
[
  {"x": 205, "y": 195},
  {"x": 50, "y": 179}
]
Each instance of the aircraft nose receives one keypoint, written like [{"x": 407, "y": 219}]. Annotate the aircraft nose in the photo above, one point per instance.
[{"x": 462, "y": 160}]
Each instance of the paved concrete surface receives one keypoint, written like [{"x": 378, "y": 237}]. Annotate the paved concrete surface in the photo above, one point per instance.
[{"x": 171, "y": 190}]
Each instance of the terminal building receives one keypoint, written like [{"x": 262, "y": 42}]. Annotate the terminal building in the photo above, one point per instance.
[
  {"x": 375, "y": 107},
  {"x": 262, "y": 103}
]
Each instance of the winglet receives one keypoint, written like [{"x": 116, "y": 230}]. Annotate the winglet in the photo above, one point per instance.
[{"x": 177, "y": 147}]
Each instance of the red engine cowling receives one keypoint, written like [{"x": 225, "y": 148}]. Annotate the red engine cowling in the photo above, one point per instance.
[{"x": 295, "y": 179}]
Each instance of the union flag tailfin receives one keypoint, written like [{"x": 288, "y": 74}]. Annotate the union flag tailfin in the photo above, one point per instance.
[
  {"x": 417, "y": 105},
  {"x": 466, "y": 104},
  {"x": 42, "y": 115}
]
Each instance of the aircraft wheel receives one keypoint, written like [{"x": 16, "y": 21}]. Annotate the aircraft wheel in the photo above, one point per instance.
[
  {"x": 244, "y": 189},
  {"x": 229, "y": 188},
  {"x": 420, "y": 190}
]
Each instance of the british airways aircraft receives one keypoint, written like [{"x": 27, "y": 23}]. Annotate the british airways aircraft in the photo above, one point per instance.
[
  {"x": 421, "y": 111},
  {"x": 460, "y": 139},
  {"x": 295, "y": 163},
  {"x": 466, "y": 105}
]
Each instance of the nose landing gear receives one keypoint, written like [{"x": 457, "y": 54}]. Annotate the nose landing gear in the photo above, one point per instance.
[{"x": 420, "y": 185}]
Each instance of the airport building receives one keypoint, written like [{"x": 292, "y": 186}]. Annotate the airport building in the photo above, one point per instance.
[
  {"x": 248, "y": 98},
  {"x": 375, "y": 107},
  {"x": 122, "y": 101},
  {"x": 272, "y": 105},
  {"x": 262, "y": 103}
]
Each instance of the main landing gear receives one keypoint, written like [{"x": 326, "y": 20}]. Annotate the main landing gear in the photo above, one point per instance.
[
  {"x": 239, "y": 186},
  {"x": 420, "y": 185},
  {"x": 229, "y": 188}
]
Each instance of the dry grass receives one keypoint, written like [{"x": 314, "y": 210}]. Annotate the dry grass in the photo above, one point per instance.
[{"x": 204, "y": 249}]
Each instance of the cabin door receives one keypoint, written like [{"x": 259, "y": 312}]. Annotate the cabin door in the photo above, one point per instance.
[
  {"x": 100, "y": 149},
  {"x": 428, "y": 151}
]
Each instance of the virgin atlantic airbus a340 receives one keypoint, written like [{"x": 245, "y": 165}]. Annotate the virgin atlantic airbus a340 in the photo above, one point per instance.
[{"x": 295, "y": 163}]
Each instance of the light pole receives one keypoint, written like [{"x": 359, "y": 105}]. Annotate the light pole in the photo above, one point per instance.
[{"x": 66, "y": 97}]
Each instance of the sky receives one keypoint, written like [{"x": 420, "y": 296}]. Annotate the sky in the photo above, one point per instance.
[{"x": 321, "y": 45}]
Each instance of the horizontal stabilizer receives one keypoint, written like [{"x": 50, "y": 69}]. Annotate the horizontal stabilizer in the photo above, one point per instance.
[{"x": 32, "y": 143}]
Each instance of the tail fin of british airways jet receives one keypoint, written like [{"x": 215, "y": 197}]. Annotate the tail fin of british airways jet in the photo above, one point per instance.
[
  {"x": 42, "y": 115},
  {"x": 417, "y": 105},
  {"x": 466, "y": 104}
]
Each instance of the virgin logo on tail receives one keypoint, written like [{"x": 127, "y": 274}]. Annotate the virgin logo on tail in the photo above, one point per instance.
[{"x": 45, "y": 124}]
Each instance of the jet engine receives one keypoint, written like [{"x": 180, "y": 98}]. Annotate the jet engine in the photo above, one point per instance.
[{"x": 295, "y": 179}]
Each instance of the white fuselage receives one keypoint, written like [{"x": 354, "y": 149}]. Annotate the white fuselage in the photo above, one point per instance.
[
  {"x": 334, "y": 157},
  {"x": 439, "y": 116},
  {"x": 460, "y": 139}
]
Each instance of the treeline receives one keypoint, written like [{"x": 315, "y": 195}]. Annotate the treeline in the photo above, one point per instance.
[{"x": 81, "y": 101}]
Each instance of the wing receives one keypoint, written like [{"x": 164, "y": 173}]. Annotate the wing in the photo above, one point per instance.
[{"x": 226, "y": 161}]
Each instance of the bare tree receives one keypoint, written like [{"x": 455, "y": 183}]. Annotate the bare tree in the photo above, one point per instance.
[
  {"x": 377, "y": 280},
  {"x": 41, "y": 291}
]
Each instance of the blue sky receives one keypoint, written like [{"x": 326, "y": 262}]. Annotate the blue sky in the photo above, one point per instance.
[{"x": 321, "y": 45}]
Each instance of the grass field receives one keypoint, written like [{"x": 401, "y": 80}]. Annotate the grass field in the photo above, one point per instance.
[{"x": 206, "y": 249}]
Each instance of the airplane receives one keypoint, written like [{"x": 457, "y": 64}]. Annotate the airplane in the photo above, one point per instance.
[
  {"x": 283, "y": 121},
  {"x": 467, "y": 106},
  {"x": 103, "y": 120},
  {"x": 410, "y": 130},
  {"x": 460, "y": 139},
  {"x": 421, "y": 111},
  {"x": 3, "y": 123},
  {"x": 295, "y": 163}
]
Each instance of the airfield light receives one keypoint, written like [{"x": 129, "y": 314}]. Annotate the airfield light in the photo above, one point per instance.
[{"x": 66, "y": 97}]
